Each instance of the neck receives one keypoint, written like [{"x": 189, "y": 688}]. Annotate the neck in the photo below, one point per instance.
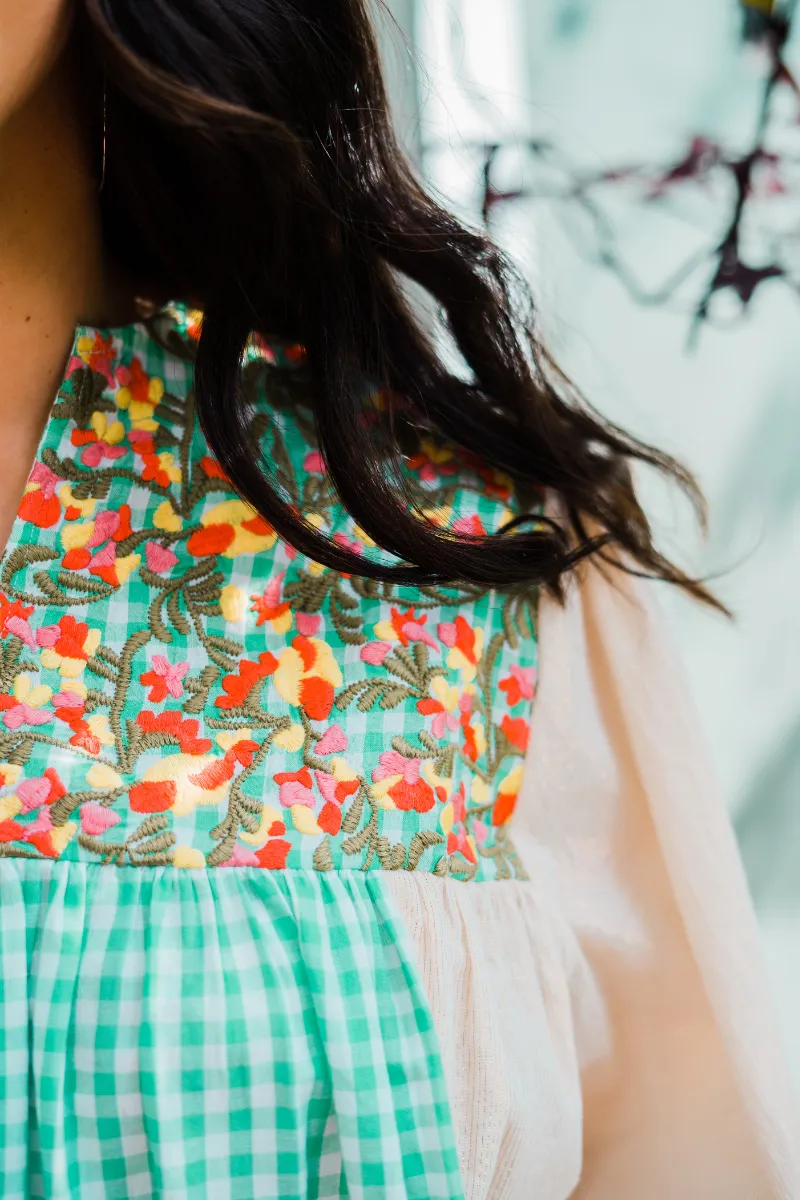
[
  {"x": 52, "y": 275},
  {"x": 51, "y": 267}
]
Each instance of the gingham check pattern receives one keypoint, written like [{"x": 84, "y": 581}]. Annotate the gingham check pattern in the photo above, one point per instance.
[{"x": 213, "y": 1036}]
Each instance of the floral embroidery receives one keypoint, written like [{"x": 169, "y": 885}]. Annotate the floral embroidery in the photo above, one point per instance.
[{"x": 179, "y": 686}]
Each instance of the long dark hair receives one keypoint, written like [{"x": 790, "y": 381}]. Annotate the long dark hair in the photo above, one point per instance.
[{"x": 252, "y": 167}]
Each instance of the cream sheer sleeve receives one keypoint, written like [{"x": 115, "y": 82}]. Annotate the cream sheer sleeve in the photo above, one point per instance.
[{"x": 683, "y": 1086}]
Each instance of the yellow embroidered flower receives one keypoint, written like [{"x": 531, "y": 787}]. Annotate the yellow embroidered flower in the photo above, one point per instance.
[
  {"x": 188, "y": 856},
  {"x": 33, "y": 697},
  {"x": 507, "y": 794},
  {"x": 75, "y": 537},
  {"x": 440, "y": 516},
  {"x": 75, "y": 507},
  {"x": 268, "y": 818},
  {"x": 479, "y": 791},
  {"x": 363, "y": 537},
  {"x": 103, "y": 777},
  {"x": 74, "y": 643},
  {"x": 304, "y": 820},
  {"x": 231, "y": 601},
  {"x": 110, "y": 432},
  {"x": 306, "y": 676},
  {"x": 98, "y": 724},
  {"x": 10, "y": 807},
  {"x": 140, "y": 395},
  {"x": 231, "y": 528},
  {"x": 166, "y": 518},
  {"x": 161, "y": 469},
  {"x": 290, "y": 739},
  {"x": 61, "y": 836},
  {"x": 441, "y": 784}
]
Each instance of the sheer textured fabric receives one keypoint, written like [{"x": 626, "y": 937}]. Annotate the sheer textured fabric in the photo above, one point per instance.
[{"x": 605, "y": 1027}]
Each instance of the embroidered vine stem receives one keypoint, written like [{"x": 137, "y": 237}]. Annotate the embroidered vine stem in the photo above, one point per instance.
[{"x": 137, "y": 641}]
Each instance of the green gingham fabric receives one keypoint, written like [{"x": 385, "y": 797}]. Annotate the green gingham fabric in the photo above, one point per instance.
[
  {"x": 213, "y": 1036},
  {"x": 212, "y": 749}
]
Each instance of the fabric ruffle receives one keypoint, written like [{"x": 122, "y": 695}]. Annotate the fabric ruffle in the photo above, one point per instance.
[{"x": 233, "y": 1034}]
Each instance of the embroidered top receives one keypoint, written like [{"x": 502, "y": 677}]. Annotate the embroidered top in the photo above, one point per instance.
[{"x": 179, "y": 686}]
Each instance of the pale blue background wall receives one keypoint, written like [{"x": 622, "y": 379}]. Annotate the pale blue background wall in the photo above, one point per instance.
[{"x": 613, "y": 82}]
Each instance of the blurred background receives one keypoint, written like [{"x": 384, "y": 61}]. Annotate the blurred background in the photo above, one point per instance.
[{"x": 642, "y": 162}]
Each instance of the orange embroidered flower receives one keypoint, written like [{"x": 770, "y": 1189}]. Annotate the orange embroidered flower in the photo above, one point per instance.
[
  {"x": 212, "y": 468},
  {"x": 14, "y": 620},
  {"x": 453, "y": 821},
  {"x": 237, "y": 687},
  {"x": 96, "y": 352},
  {"x": 140, "y": 394},
  {"x": 507, "y": 795},
  {"x": 397, "y": 784},
  {"x": 101, "y": 441},
  {"x": 231, "y": 528},
  {"x": 466, "y": 646},
  {"x": 70, "y": 645},
  {"x": 519, "y": 684},
  {"x": 161, "y": 469},
  {"x": 40, "y": 505},
  {"x": 517, "y": 730},
  {"x": 307, "y": 675},
  {"x": 405, "y": 627},
  {"x": 193, "y": 777},
  {"x": 442, "y": 705},
  {"x": 432, "y": 461},
  {"x": 182, "y": 731},
  {"x": 270, "y": 607},
  {"x": 49, "y": 839}
]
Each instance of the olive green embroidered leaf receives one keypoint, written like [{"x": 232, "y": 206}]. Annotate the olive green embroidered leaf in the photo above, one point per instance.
[
  {"x": 323, "y": 859},
  {"x": 419, "y": 844},
  {"x": 460, "y": 866},
  {"x": 199, "y": 689},
  {"x": 354, "y": 814},
  {"x": 12, "y": 662},
  {"x": 223, "y": 851},
  {"x": 397, "y": 858},
  {"x": 90, "y": 488},
  {"x": 356, "y": 843},
  {"x": 83, "y": 397},
  {"x": 24, "y": 556}
]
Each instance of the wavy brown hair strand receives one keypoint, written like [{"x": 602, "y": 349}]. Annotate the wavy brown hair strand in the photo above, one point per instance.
[{"x": 252, "y": 169}]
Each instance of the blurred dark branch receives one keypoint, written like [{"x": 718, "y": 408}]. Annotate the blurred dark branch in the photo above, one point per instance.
[{"x": 768, "y": 24}]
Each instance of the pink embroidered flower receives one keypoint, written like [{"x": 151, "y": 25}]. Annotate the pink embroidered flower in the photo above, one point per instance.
[
  {"x": 97, "y": 818},
  {"x": 453, "y": 821},
  {"x": 313, "y": 463},
  {"x": 164, "y": 678},
  {"x": 24, "y": 705},
  {"x": 45, "y": 789},
  {"x": 398, "y": 783},
  {"x": 100, "y": 441},
  {"x": 333, "y": 741},
  {"x": 466, "y": 646},
  {"x": 242, "y": 857},
  {"x": 442, "y": 704},
  {"x": 295, "y": 788},
  {"x": 308, "y": 624},
  {"x": 470, "y": 526},
  {"x": 519, "y": 684},
  {"x": 405, "y": 627},
  {"x": 270, "y": 607},
  {"x": 40, "y": 505},
  {"x": 159, "y": 559},
  {"x": 374, "y": 653}
]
